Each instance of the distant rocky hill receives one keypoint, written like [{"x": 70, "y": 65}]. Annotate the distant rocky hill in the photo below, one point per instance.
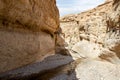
[{"x": 95, "y": 30}]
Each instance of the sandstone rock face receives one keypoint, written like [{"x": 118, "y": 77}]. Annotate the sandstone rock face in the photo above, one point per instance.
[
  {"x": 27, "y": 31},
  {"x": 108, "y": 0},
  {"x": 30, "y": 14}
]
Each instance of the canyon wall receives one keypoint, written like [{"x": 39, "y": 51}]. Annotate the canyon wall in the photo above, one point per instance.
[
  {"x": 93, "y": 37},
  {"x": 27, "y": 32},
  {"x": 112, "y": 40},
  {"x": 94, "y": 32}
]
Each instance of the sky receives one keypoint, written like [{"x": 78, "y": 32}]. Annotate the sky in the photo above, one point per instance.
[{"x": 76, "y": 6}]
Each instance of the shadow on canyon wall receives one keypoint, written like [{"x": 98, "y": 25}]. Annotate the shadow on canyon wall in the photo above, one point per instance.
[{"x": 60, "y": 66}]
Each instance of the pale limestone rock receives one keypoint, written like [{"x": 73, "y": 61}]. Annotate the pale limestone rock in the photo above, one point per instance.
[
  {"x": 89, "y": 25},
  {"x": 97, "y": 70},
  {"x": 87, "y": 49},
  {"x": 93, "y": 26}
]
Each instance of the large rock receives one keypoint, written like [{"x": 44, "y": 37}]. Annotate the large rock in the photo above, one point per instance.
[
  {"x": 27, "y": 31},
  {"x": 38, "y": 69},
  {"x": 97, "y": 70}
]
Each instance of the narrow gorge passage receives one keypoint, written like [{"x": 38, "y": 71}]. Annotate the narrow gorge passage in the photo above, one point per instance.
[{"x": 38, "y": 43}]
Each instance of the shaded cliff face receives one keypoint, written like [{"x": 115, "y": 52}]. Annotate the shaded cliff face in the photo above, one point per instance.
[{"x": 27, "y": 30}]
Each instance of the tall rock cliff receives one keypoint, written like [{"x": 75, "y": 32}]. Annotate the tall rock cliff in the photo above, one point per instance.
[{"x": 27, "y": 31}]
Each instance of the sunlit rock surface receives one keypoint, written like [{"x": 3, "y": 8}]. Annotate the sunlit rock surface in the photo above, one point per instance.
[{"x": 94, "y": 31}]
